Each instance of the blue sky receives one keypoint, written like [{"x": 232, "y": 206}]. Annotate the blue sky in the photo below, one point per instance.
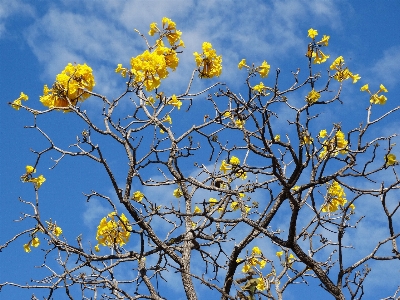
[{"x": 38, "y": 38}]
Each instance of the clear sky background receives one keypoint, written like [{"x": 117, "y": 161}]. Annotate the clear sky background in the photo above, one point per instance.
[{"x": 38, "y": 38}]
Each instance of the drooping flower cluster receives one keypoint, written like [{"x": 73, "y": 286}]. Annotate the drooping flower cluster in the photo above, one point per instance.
[
  {"x": 208, "y": 62},
  {"x": 28, "y": 177},
  {"x": 343, "y": 73},
  {"x": 335, "y": 198},
  {"x": 312, "y": 96},
  {"x": 256, "y": 259},
  {"x": 288, "y": 262},
  {"x": 16, "y": 104},
  {"x": 113, "y": 230},
  {"x": 338, "y": 144},
  {"x": 71, "y": 86},
  {"x": 35, "y": 242},
  {"x": 150, "y": 67},
  {"x": 375, "y": 98},
  {"x": 314, "y": 47},
  {"x": 234, "y": 165}
]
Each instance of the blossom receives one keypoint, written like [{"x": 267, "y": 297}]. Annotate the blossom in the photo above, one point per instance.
[
  {"x": 121, "y": 70},
  {"x": 212, "y": 201},
  {"x": 168, "y": 119},
  {"x": 277, "y": 138},
  {"x": 240, "y": 123},
  {"x": 153, "y": 29},
  {"x": 70, "y": 86},
  {"x": 381, "y": 89},
  {"x": 312, "y": 96},
  {"x": 138, "y": 196},
  {"x": 225, "y": 167},
  {"x": 390, "y": 159},
  {"x": 30, "y": 169},
  {"x": 208, "y": 62},
  {"x": 324, "y": 41},
  {"x": 319, "y": 57},
  {"x": 97, "y": 248},
  {"x": 197, "y": 210},
  {"x": 246, "y": 268},
  {"x": 338, "y": 144},
  {"x": 113, "y": 230},
  {"x": 312, "y": 33},
  {"x": 279, "y": 254},
  {"x": 27, "y": 248},
  {"x": 175, "y": 102},
  {"x": 57, "y": 231},
  {"x": 235, "y": 205},
  {"x": 177, "y": 193},
  {"x": 335, "y": 197},
  {"x": 16, "y": 104},
  {"x": 256, "y": 250},
  {"x": 261, "y": 286},
  {"x": 263, "y": 70},
  {"x": 234, "y": 160},
  {"x": 364, "y": 88},
  {"x": 323, "y": 134},
  {"x": 35, "y": 242},
  {"x": 259, "y": 88},
  {"x": 241, "y": 174},
  {"x": 242, "y": 64}
]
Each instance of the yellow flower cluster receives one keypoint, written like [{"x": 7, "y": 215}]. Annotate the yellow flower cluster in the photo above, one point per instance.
[
  {"x": 34, "y": 242},
  {"x": 114, "y": 231},
  {"x": 70, "y": 87},
  {"x": 16, "y": 104},
  {"x": 312, "y": 97},
  {"x": 375, "y": 98},
  {"x": 137, "y": 196},
  {"x": 290, "y": 259},
  {"x": 390, "y": 159},
  {"x": 338, "y": 144},
  {"x": 150, "y": 67},
  {"x": 335, "y": 197},
  {"x": 256, "y": 259},
  {"x": 341, "y": 72},
  {"x": 209, "y": 63},
  {"x": 233, "y": 162},
  {"x": 56, "y": 230},
  {"x": 28, "y": 177},
  {"x": 314, "y": 47}
]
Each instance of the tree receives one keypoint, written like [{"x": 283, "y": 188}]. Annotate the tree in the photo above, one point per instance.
[{"x": 238, "y": 179}]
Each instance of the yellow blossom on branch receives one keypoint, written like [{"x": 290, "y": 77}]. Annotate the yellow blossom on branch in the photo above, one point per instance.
[
  {"x": 225, "y": 167},
  {"x": 137, "y": 196},
  {"x": 390, "y": 159},
  {"x": 312, "y": 33},
  {"x": 312, "y": 96},
  {"x": 175, "y": 102},
  {"x": 16, "y": 104},
  {"x": 234, "y": 160},
  {"x": 263, "y": 70},
  {"x": 113, "y": 230},
  {"x": 177, "y": 193},
  {"x": 208, "y": 62},
  {"x": 242, "y": 64},
  {"x": 197, "y": 210}
]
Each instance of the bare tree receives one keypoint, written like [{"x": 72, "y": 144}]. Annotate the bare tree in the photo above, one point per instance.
[{"x": 240, "y": 180}]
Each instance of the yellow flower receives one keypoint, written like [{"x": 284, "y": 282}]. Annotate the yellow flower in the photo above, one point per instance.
[
  {"x": 209, "y": 63},
  {"x": 27, "y": 248},
  {"x": 97, "y": 248},
  {"x": 153, "y": 29},
  {"x": 364, "y": 88},
  {"x": 225, "y": 167},
  {"x": 323, "y": 134},
  {"x": 325, "y": 40},
  {"x": 242, "y": 64},
  {"x": 234, "y": 205},
  {"x": 168, "y": 119},
  {"x": 279, "y": 254},
  {"x": 260, "y": 87},
  {"x": 312, "y": 96},
  {"x": 177, "y": 193},
  {"x": 263, "y": 263},
  {"x": 312, "y": 33},
  {"x": 197, "y": 210},
  {"x": 277, "y": 138},
  {"x": 138, "y": 196},
  {"x": 240, "y": 123},
  {"x": 38, "y": 181},
  {"x": 256, "y": 250},
  {"x": 24, "y": 97},
  {"x": 175, "y": 102},
  {"x": 114, "y": 231},
  {"x": 296, "y": 188},
  {"x": 381, "y": 89},
  {"x": 261, "y": 284},
  {"x": 212, "y": 201},
  {"x": 319, "y": 57},
  {"x": 263, "y": 70},
  {"x": 238, "y": 260},
  {"x": 30, "y": 169},
  {"x": 247, "y": 209},
  {"x": 35, "y": 242},
  {"x": 246, "y": 268},
  {"x": 390, "y": 159},
  {"x": 234, "y": 160},
  {"x": 16, "y": 104},
  {"x": 57, "y": 231}
]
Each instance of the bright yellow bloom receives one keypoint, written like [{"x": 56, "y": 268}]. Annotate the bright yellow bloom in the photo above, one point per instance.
[
  {"x": 260, "y": 88},
  {"x": 319, "y": 57},
  {"x": 240, "y": 123},
  {"x": 263, "y": 263},
  {"x": 364, "y": 88},
  {"x": 27, "y": 248},
  {"x": 16, "y": 104},
  {"x": 242, "y": 195},
  {"x": 279, "y": 254},
  {"x": 97, "y": 248},
  {"x": 277, "y": 138},
  {"x": 246, "y": 268},
  {"x": 38, "y": 181},
  {"x": 208, "y": 62},
  {"x": 197, "y": 210},
  {"x": 30, "y": 169},
  {"x": 138, "y": 196},
  {"x": 234, "y": 160},
  {"x": 168, "y": 119},
  {"x": 323, "y": 134},
  {"x": 35, "y": 242},
  {"x": 121, "y": 69},
  {"x": 256, "y": 250},
  {"x": 312, "y": 96},
  {"x": 234, "y": 205},
  {"x": 57, "y": 231},
  {"x": 225, "y": 167},
  {"x": 390, "y": 159},
  {"x": 338, "y": 144},
  {"x": 24, "y": 97},
  {"x": 153, "y": 29},
  {"x": 212, "y": 201},
  {"x": 247, "y": 209},
  {"x": 325, "y": 40},
  {"x": 175, "y": 102},
  {"x": 335, "y": 197},
  {"x": 241, "y": 174},
  {"x": 296, "y": 188},
  {"x": 242, "y": 64},
  {"x": 307, "y": 140},
  {"x": 263, "y": 70},
  {"x": 177, "y": 193},
  {"x": 312, "y": 33},
  {"x": 115, "y": 230},
  {"x": 381, "y": 89},
  {"x": 261, "y": 286},
  {"x": 69, "y": 87}
]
